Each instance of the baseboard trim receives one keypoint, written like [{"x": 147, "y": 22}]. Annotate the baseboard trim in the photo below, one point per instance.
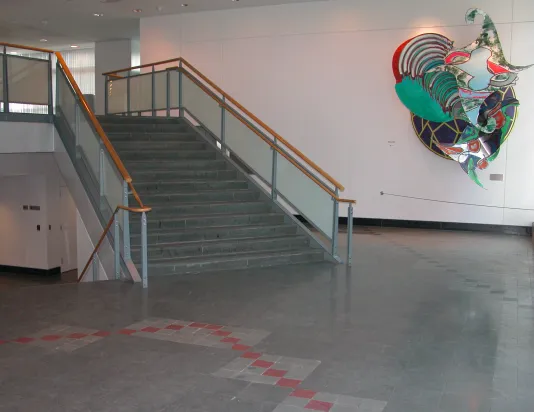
[
  {"x": 30, "y": 271},
  {"x": 421, "y": 224}
]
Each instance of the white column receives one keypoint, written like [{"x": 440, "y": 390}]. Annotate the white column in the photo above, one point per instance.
[{"x": 109, "y": 55}]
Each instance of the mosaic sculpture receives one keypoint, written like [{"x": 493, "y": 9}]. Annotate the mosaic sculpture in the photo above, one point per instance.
[{"x": 462, "y": 101}]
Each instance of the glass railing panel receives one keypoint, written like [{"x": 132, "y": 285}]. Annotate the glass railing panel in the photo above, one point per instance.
[
  {"x": 112, "y": 185},
  {"x": 315, "y": 204},
  {"x": 2, "y": 79},
  {"x": 174, "y": 85},
  {"x": 89, "y": 145},
  {"x": 28, "y": 80},
  {"x": 141, "y": 93},
  {"x": 117, "y": 91},
  {"x": 160, "y": 82},
  {"x": 66, "y": 110},
  {"x": 248, "y": 146},
  {"x": 203, "y": 107}
]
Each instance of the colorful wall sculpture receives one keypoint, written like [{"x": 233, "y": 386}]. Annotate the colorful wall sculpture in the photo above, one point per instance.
[{"x": 462, "y": 102}]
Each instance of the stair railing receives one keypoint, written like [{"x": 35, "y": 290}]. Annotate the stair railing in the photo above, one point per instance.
[
  {"x": 104, "y": 176},
  {"x": 293, "y": 180}
]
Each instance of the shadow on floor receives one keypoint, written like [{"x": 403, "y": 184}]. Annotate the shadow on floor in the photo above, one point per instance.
[{"x": 15, "y": 280}]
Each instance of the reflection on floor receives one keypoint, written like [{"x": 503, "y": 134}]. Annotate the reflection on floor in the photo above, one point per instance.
[
  {"x": 10, "y": 280},
  {"x": 424, "y": 321}
]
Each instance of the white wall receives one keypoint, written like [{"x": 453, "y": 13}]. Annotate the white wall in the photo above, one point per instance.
[
  {"x": 20, "y": 137},
  {"x": 109, "y": 55},
  {"x": 34, "y": 179},
  {"x": 320, "y": 74}
]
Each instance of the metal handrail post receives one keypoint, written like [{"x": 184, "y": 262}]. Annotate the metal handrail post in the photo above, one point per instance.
[
  {"x": 274, "y": 173},
  {"x": 101, "y": 175},
  {"x": 117, "y": 245},
  {"x": 153, "y": 91},
  {"x": 144, "y": 251},
  {"x": 168, "y": 97},
  {"x": 106, "y": 95},
  {"x": 50, "y": 87},
  {"x": 349, "y": 234},
  {"x": 223, "y": 124},
  {"x": 180, "y": 91},
  {"x": 126, "y": 223},
  {"x": 128, "y": 93},
  {"x": 5, "y": 96},
  {"x": 335, "y": 225}
]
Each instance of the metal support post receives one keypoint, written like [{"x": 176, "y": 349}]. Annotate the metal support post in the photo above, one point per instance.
[
  {"x": 153, "y": 91},
  {"x": 168, "y": 88},
  {"x": 117, "y": 245},
  {"x": 126, "y": 223},
  {"x": 349, "y": 235},
  {"x": 128, "y": 93},
  {"x": 102, "y": 176},
  {"x": 274, "y": 174},
  {"x": 95, "y": 267},
  {"x": 106, "y": 96},
  {"x": 77, "y": 116},
  {"x": 223, "y": 124},
  {"x": 180, "y": 92},
  {"x": 5, "y": 96},
  {"x": 50, "y": 89},
  {"x": 144, "y": 251},
  {"x": 335, "y": 224}
]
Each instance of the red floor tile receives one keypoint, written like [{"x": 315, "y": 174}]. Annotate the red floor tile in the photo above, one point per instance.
[
  {"x": 214, "y": 327},
  {"x": 262, "y": 364},
  {"x": 174, "y": 327},
  {"x": 197, "y": 325},
  {"x": 150, "y": 329},
  {"x": 319, "y": 406},
  {"x": 288, "y": 383},
  {"x": 77, "y": 335},
  {"x": 3, "y": 342},
  {"x": 303, "y": 393},
  {"x": 101, "y": 333},
  {"x": 241, "y": 347},
  {"x": 277, "y": 373},
  {"x": 51, "y": 338},
  {"x": 126, "y": 331},
  {"x": 24, "y": 340},
  {"x": 230, "y": 340},
  {"x": 251, "y": 355},
  {"x": 221, "y": 333}
]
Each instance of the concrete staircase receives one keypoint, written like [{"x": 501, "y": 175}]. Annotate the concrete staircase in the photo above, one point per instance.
[{"x": 206, "y": 215}]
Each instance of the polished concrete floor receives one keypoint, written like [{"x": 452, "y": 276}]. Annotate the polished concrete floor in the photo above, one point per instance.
[{"x": 424, "y": 321}]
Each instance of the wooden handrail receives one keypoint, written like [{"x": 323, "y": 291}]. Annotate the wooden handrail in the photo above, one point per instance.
[
  {"x": 19, "y": 46},
  {"x": 268, "y": 141},
  {"x": 106, "y": 230},
  {"x": 229, "y": 98}
]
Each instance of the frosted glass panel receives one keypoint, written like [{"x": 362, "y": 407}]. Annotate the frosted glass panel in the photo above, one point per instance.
[
  {"x": 141, "y": 93},
  {"x": 28, "y": 80},
  {"x": 66, "y": 101},
  {"x": 161, "y": 90},
  {"x": 89, "y": 145},
  {"x": 117, "y": 89},
  {"x": 1, "y": 78},
  {"x": 174, "y": 85},
  {"x": 248, "y": 146},
  {"x": 310, "y": 199},
  {"x": 201, "y": 105}
]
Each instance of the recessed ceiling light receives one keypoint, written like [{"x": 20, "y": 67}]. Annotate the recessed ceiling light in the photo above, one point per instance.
[
  {"x": 185, "y": 4},
  {"x": 98, "y": 14},
  {"x": 137, "y": 10},
  {"x": 74, "y": 46},
  {"x": 159, "y": 8},
  {"x": 45, "y": 22},
  {"x": 43, "y": 40}
]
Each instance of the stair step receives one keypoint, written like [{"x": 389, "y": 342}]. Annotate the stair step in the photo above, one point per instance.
[
  {"x": 199, "y": 185},
  {"x": 159, "y": 137},
  {"x": 234, "y": 262},
  {"x": 114, "y": 119},
  {"x": 199, "y": 196},
  {"x": 184, "y": 174},
  {"x": 176, "y": 165},
  {"x": 157, "y": 155},
  {"x": 180, "y": 250},
  {"x": 150, "y": 145},
  {"x": 228, "y": 220},
  {"x": 194, "y": 209},
  {"x": 146, "y": 127},
  {"x": 214, "y": 233}
]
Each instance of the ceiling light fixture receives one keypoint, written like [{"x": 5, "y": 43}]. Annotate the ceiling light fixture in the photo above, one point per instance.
[
  {"x": 185, "y": 4},
  {"x": 74, "y": 46},
  {"x": 137, "y": 10},
  {"x": 98, "y": 14},
  {"x": 43, "y": 40}
]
